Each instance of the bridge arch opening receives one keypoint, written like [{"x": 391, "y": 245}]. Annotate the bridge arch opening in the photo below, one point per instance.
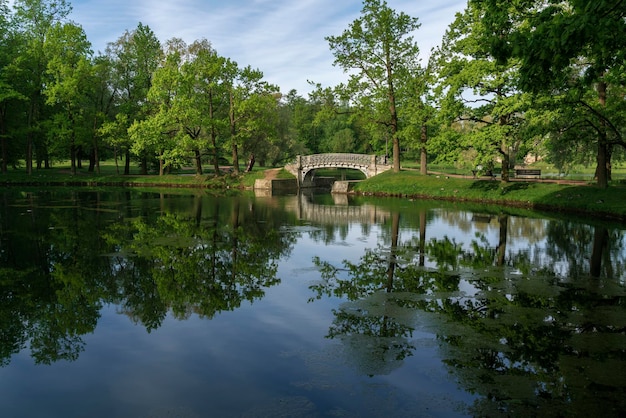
[{"x": 337, "y": 173}]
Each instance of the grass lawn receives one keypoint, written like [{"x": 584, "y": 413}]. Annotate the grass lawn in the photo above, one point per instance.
[{"x": 585, "y": 198}]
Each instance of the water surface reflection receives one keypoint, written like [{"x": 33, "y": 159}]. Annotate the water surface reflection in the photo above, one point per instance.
[{"x": 143, "y": 304}]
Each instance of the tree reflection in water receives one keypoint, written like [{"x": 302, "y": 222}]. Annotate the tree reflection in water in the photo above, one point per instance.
[
  {"x": 537, "y": 330},
  {"x": 65, "y": 258},
  {"x": 529, "y": 340}
]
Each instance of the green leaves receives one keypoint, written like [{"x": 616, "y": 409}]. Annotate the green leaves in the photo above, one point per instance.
[{"x": 379, "y": 50}]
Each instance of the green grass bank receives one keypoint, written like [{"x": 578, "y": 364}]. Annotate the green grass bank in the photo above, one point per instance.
[{"x": 580, "y": 198}]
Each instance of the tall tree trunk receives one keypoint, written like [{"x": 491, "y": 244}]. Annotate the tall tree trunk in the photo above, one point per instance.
[
  {"x": 423, "y": 152},
  {"x": 393, "y": 112},
  {"x": 3, "y": 139},
  {"x": 216, "y": 159},
  {"x": 198, "y": 159},
  {"x": 143, "y": 166},
  {"x": 95, "y": 152},
  {"x": 92, "y": 161},
  {"x": 73, "y": 157},
  {"x": 29, "y": 153},
  {"x": 604, "y": 156},
  {"x": 127, "y": 163},
  {"x": 602, "y": 177},
  {"x": 79, "y": 154},
  {"x": 216, "y": 156},
  {"x": 505, "y": 175},
  {"x": 233, "y": 133},
  {"x": 29, "y": 136},
  {"x": 235, "y": 159},
  {"x": 117, "y": 166},
  {"x": 250, "y": 165},
  {"x": 73, "y": 148},
  {"x": 504, "y": 151}
]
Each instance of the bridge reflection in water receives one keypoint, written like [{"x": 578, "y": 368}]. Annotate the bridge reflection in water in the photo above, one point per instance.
[{"x": 338, "y": 213}]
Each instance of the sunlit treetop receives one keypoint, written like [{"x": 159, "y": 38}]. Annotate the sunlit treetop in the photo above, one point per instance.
[{"x": 549, "y": 35}]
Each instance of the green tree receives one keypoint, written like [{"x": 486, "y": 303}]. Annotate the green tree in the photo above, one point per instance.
[
  {"x": 343, "y": 127},
  {"x": 417, "y": 113},
  {"x": 563, "y": 45},
  {"x": 99, "y": 108},
  {"x": 188, "y": 97},
  {"x": 159, "y": 131},
  {"x": 206, "y": 104},
  {"x": 253, "y": 110},
  {"x": 135, "y": 55},
  {"x": 35, "y": 18},
  {"x": 11, "y": 100},
  {"x": 476, "y": 89},
  {"x": 300, "y": 129},
  {"x": 379, "y": 48},
  {"x": 69, "y": 70}
]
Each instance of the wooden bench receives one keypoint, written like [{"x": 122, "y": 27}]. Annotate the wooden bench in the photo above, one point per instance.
[{"x": 527, "y": 172}]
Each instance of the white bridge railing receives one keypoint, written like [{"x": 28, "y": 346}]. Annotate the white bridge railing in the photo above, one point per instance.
[
  {"x": 316, "y": 160},
  {"x": 332, "y": 159}
]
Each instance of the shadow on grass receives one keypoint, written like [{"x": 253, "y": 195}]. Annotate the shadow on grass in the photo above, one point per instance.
[
  {"x": 485, "y": 185},
  {"x": 602, "y": 204},
  {"x": 490, "y": 186}
]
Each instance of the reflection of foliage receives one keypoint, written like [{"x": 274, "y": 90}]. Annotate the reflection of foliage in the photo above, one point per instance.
[
  {"x": 13, "y": 315},
  {"x": 55, "y": 278},
  {"x": 47, "y": 296},
  {"x": 371, "y": 274},
  {"x": 519, "y": 343},
  {"x": 532, "y": 333},
  {"x": 572, "y": 245},
  {"x": 199, "y": 264},
  {"x": 205, "y": 269},
  {"x": 377, "y": 341},
  {"x": 445, "y": 252},
  {"x": 378, "y": 317},
  {"x": 523, "y": 342}
]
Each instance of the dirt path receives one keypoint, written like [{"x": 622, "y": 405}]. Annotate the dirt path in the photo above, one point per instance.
[
  {"x": 271, "y": 173},
  {"x": 538, "y": 180}
]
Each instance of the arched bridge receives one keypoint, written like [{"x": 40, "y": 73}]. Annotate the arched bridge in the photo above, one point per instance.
[{"x": 305, "y": 165}]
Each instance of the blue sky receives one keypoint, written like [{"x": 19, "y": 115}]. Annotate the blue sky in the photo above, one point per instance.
[{"x": 282, "y": 38}]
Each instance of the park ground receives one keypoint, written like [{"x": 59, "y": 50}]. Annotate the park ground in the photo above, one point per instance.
[{"x": 570, "y": 195}]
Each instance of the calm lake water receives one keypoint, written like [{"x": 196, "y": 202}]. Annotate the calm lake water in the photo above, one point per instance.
[{"x": 131, "y": 304}]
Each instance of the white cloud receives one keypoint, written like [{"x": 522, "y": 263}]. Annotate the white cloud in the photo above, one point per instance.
[{"x": 282, "y": 38}]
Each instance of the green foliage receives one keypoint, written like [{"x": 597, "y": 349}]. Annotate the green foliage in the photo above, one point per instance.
[
  {"x": 568, "y": 48},
  {"x": 554, "y": 34},
  {"x": 70, "y": 73},
  {"x": 134, "y": 58},
  {"x": 379, "y": 51},
  {"x": 481, "y": 96}
]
